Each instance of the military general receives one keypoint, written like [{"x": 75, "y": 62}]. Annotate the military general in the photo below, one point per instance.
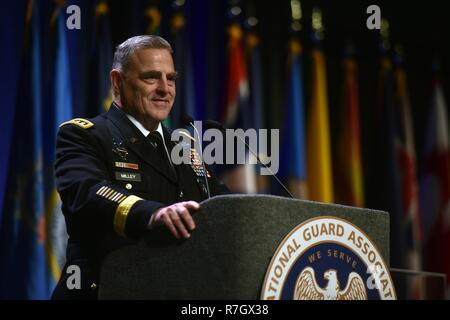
[{"x": 114, "y": 172}]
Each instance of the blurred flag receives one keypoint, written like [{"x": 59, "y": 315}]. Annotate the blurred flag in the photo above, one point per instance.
[
  {"x": 318, "y": 149},
  {"x": 395, "y": 163},
  {"x": 386, "y": 168},
  {"x": 80, "y": 49},
  {"x": 435, "y": 187},
  {"x": 236, "y": 111},
  {"x": 237, "y": 87},
  {"x": 319, "y": 172},
  {"x": 101, "y": 60},
  {"x": 390, "y": 174},
  {"x": 185, "y": 100},
  {"x": 58, "y": 110},
  {"x": 292, "y": 154},
  {"x": 153, "y": 15},
  {"x": 23, "y": 266},
  {"x": 255, "y": 108},
  {"x": 348, "y": 165},
  {"x": 405, "y": 155}
]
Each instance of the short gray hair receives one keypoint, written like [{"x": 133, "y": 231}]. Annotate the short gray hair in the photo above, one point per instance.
[{"x": 125, "y": 50}]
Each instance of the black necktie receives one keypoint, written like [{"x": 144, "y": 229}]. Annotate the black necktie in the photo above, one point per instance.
[{"x": 157, "y": 143}]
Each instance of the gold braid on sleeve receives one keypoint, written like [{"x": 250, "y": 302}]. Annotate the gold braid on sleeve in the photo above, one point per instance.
[{"x": 120, "y": 217}]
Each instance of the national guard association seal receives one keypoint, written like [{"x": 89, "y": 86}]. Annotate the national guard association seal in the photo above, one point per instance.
[{"x": 327, "y": 258}]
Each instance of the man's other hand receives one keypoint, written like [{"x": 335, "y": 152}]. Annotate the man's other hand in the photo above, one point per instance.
[{"x": 176, "y": 218}]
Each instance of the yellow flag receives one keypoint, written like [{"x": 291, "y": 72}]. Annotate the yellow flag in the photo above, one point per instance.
[
  {"x": 348, "y": 174},
  {"x": 319, "y": 174}
]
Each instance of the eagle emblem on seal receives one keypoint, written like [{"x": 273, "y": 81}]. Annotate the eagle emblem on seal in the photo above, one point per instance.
[{"x": 306, "y": 287}]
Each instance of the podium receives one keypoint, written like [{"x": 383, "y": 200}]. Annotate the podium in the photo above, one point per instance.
[{"x": 227, "y": 255}]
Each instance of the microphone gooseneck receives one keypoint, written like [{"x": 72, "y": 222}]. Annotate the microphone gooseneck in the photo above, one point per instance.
[{"x": 210, "y": 124}]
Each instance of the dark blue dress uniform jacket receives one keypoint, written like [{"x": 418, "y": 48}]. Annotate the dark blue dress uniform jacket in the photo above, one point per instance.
[{"x": 111, "y": 180}]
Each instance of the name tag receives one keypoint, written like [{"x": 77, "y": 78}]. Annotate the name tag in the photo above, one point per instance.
[{"x": 128, "y": 176}]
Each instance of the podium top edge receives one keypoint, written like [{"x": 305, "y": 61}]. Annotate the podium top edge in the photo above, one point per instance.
[{"x": 242, "y": 197}]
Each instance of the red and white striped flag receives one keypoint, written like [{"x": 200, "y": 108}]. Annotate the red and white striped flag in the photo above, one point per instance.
[
  {"x": 435, "y": 187},
  {"x": 405, "y": 153}
]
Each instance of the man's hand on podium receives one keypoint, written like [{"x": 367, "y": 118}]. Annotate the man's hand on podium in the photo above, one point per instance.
[{"x": 176, "y": 218}]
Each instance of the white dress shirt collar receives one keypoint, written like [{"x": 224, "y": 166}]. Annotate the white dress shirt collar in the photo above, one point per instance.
[{"x": 142, "y": 129}]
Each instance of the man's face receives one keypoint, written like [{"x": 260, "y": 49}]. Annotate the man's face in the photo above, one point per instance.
[{"x": 148, "y": 87}]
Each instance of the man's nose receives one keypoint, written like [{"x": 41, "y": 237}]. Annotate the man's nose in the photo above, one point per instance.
[{"x": 163, "y": 86}]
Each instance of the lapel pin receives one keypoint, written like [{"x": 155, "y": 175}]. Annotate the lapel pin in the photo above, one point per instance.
[{"x": 120, "y": 150}]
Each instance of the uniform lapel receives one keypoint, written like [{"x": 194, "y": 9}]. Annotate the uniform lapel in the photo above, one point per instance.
[{"x": 136, "y": 142}]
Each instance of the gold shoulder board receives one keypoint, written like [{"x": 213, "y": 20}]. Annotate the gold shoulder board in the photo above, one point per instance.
[{"x": 82, "y": 123}]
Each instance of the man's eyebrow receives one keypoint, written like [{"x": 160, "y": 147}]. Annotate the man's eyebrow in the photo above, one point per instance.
[
  {"x": 173, "y": 74},
  {"x": 157, "y": 74},
  {"x": 152, "y": 73}
]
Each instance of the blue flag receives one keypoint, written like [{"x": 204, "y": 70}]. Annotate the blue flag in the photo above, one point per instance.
[
  {"x": 60, "y": 110},
  {"x": 101, "y": 62},
  {"x": 292, "y": 154},
  {"x": 23, "y": 267},
  {"x": 185, "y": 101},
  {"x": 387, "y": 169}
]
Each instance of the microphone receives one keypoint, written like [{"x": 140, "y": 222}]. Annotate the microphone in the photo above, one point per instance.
[
  {"x": 210, "y": 124},
  {"x": 189, "y": 121}
]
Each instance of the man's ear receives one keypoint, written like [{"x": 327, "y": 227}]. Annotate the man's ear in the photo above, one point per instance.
[{"x": 116, "y": 82}]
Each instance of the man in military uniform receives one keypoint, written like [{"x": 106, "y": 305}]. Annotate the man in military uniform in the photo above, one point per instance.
[{"x": 114, "y": 172}]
